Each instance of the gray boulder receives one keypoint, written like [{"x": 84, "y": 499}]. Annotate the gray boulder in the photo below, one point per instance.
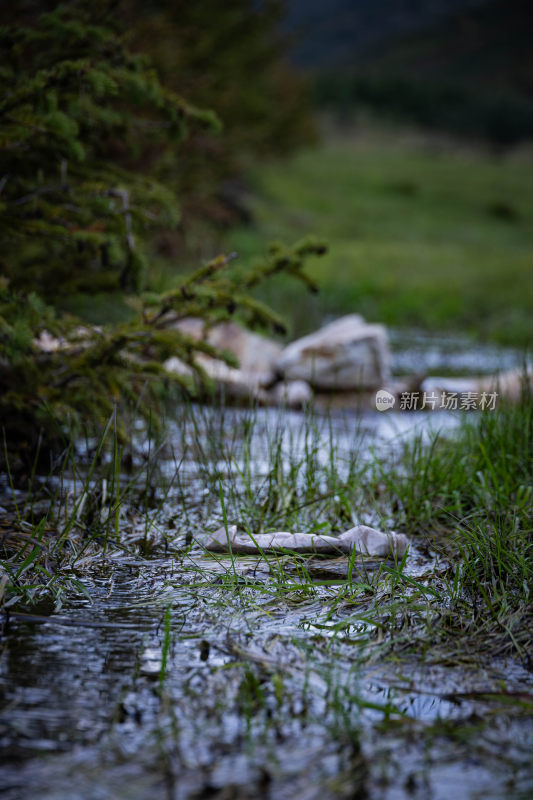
[{"x": 345, "y": 355}]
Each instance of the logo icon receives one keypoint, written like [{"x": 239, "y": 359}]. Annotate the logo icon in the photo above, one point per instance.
[{"x": 384, "y": 400}]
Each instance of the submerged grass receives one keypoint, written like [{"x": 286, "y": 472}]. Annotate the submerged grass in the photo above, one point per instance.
[
  {"x": 288, "y": 645},
  {"x": 465, "y": 500}
]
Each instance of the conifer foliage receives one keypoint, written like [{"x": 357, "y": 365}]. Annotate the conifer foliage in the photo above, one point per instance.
[
  {"x": 70, "y": 90},
  {"x": 73, "y": 218},
  {"x": 230, "y": 56}
]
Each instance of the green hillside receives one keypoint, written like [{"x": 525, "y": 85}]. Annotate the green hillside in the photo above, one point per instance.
[{"x": 421, "y": 233}]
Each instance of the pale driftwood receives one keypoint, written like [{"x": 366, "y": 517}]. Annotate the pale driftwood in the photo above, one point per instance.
[{"x": 362, "y": 539}]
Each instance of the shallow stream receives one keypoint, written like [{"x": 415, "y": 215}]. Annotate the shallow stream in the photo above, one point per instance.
[{"x": 187, "y": 675}]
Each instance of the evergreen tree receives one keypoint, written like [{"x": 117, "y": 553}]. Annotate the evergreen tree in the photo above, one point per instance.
[
  {"x": 231, "y": 57},
  {"x": 74, "y": 217}
]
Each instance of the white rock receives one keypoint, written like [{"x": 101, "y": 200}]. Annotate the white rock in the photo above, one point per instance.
[
  {"x": 292, "y": 393},
  {"x": 47, "y": 343},
  {"x": 362, "y": 539},
  {"x": 253, "y": 352},
  {"x": 256, "y": 356},
  {"x": 346, "y": 354},
  {"x": 237, "y": 384},
  {"x": 506, "y": 384}
]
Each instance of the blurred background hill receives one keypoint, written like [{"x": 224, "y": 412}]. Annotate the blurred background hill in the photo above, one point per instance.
[
  {"x": 338, "y": 33},
  {"x": 465, "y": 66}
]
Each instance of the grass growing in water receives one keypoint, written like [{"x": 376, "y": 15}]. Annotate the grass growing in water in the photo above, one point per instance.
[
  {"x": 283, "y": 648},
  {"x": 467, "y": 499},
  {"x": 471, "y": 496}
]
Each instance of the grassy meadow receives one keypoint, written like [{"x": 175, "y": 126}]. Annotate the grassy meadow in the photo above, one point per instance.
[{"x": 422, "y": 232}]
